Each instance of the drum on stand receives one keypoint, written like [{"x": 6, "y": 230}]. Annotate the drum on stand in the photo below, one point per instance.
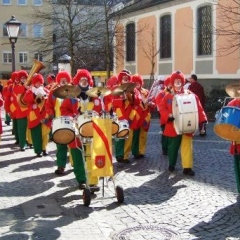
[
  {"x": 84, "y": 123},
  {"x": 185, "y": 112},
  {"x": 63, "y": 131},
  {"x": 227, "y": 124}
]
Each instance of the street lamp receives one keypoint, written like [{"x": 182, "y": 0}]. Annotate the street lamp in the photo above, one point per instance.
[{"x": 13, "y": 26}]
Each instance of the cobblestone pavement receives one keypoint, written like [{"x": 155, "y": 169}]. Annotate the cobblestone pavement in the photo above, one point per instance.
[{"x": 36, "y": 204}]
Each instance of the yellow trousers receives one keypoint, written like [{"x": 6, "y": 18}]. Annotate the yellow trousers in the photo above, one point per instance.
[
  {"x": 187, "y": 151},
  {"x": 45, "y": 136}
]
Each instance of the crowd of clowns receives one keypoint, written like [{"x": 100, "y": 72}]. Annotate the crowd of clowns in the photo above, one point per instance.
[{"x": 32, "y": 108}]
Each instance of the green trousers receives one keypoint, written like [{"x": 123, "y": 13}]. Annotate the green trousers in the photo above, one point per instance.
[
  {"x": 61, "y": 155},
  {"x": 21, "y": 129},
  {"x": 78, "y": 165},
  {"x": 173, "y": 147},
  {"x": 36, "y": 134},
  {"x": 237, "y": 170}
]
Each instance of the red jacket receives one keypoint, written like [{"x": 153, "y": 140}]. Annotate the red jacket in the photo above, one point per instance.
[{"x": 165, "y": 108}]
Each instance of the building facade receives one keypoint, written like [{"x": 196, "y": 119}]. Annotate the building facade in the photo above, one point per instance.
[
  {"x": 160, "y": 37},
  {"x": 31, "y": 32}
]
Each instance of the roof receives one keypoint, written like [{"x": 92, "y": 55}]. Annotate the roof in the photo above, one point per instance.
[{"x": 140, "y": 4}]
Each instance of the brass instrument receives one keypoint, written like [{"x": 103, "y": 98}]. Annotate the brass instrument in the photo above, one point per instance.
[{"x": 37, "y": 67}]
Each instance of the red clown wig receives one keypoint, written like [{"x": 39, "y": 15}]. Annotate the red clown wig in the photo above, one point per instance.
[
  {"x": 122, "y": 74},
  {"x": 37, "y": 78},
  {"x": 83, "y": 73},
  {"x": 63, "y": 74},
  {"x": 177, "y": 75},
  {"x": 136, "y": 78}
]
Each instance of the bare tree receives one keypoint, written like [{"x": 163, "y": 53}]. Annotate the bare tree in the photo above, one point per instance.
[{"x": 228, "y": 27}]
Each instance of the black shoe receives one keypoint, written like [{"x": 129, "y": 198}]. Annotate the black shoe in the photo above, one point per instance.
[
  {"x": 44, "y": 153},
  {"x": 94, "y": 188},
  {"x": 188, "y": 171},
  {"x": 171, "y": 168},
  {"x": 125, "y": 161},
  {"x": 164, "y": 152},
  {"x": 22, "y": 149},
  {"x": 60, "y": 171},
  {"x": 82, "y": 185},
  {"x": 7, "y": 123},
  {"x": 38, "y": 155},
  {"x": 202, "y": 134},
  {"x": 139, "y": 156},
  {"x": 119, "y": 159}
]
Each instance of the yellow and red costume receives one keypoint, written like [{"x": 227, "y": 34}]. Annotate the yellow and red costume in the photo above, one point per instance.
[
  {"x": 143, "y": 118},
  {"x": 175, "y": 140},
  {"x": 35, "y": 98},
  {"x": 124, "y": 107}
]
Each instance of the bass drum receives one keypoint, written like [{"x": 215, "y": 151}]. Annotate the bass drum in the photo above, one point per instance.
[
  {"x": 227, "y": 124},
  {"x": 85, "y": 126},
  {"x": 63, "y": 131},
  {"x": 185, "y": 112}
]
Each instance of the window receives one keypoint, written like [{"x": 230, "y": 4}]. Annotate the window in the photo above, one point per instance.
[
  {"x": 204, "y": 31},
  {"x": 23, "y": 57},
  {"x": 130, "y": 42},
  {"x": 7, "y": 57},
  {"x": 37, "y": 2},
  {"x": 165, "y": 37},
  {"x": 22, "y": 2},
  {"x": 5, "y": 33},
  {"x": 37, "y": 31},
  {"x": 6, "y": 2},
  {"x": 23, "y": 30},
  {"x": 38, "y": 56}
]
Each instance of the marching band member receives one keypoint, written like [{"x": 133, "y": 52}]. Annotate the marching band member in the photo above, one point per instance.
[
  {"x": 51, "y": 82},
  {"x": 111, "y": 83},
  {"x": 235, "y": 147},
  {"x": 18, "y": 111},
  {"x": 1, "y": 104},
  {"x": 35, "y": 98},
  {"x": 6, "y": 103},
  {"x": 124, "y": 105},
  {"x": 69, "y": 107},
  {"x": 175, "y": 140},
  {"x": 167, "y": 89},
  {"x": 83, "y": 80},
  {"x": 53, "y": 111},
  {"x": 143, "y": 117}
]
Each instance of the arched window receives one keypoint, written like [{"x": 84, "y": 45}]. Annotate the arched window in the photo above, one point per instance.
[
  {"x": 130, "y": 42},
  {"x": 165, "y": 37},
  {"x": 204, "y": 31}
]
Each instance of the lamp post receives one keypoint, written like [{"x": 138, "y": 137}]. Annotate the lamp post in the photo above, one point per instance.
[{"x": 13, "y": 26}]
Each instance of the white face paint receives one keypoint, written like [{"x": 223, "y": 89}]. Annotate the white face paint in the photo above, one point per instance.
[
  {"x": 83, "y": 82},
  {"x": 177, "y": 84},
  {"x": 63, "y": 81},
  {"x": 125, "y": 79}
]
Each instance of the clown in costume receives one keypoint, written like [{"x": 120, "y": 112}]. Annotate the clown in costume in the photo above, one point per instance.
[
  {"x": 83, "y": 80},
  {"x": 53, "y": 111},
  {"x": 167, "y": 89},
  {"x": 175, "y": 140},
  {"x": 35, "y": 98},
  {"x": 235, "y": 147},
  {"x": 143, "y": 116},
  {"x": 124, "y": 107}
]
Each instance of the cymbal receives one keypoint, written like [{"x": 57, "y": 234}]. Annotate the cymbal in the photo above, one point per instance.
[
  {"x": 125, "y": 87},
  {"x": 97, "y": 91},
  {"x": 233, "y": 90},
  {"x": 67, "y": 91}
]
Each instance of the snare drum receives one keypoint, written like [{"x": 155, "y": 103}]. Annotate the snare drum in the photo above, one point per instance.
[
  {"x": 123, "y": 129},
  {"x": 85, "y": 126},
  {"x": 63, "y": 131},
  {"x": 185, "y": 112},
  {"x": 227, "y": 124}
]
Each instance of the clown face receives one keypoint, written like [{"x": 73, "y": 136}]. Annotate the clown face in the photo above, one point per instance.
[
  {"x": 125, "y": 79},
  {"x": 83, "y": 82},
  {"x": 63, "y": 81},
  {"x": 177, "y": 84}
]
